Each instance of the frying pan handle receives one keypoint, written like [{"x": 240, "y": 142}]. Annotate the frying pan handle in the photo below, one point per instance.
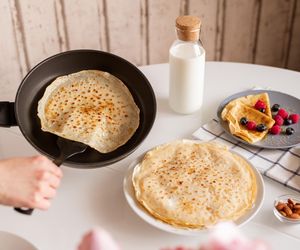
[
  {"x": 27, "y": 211},
  {"x": 7, "y": 114}
]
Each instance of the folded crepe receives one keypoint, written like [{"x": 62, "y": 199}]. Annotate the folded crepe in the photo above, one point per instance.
[
  {"x": 92, "y": 107},
  {"x": 250, "y": 101},
  {"x": 244, "y": 107}
]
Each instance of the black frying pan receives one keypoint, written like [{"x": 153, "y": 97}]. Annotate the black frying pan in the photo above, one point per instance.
[{"x": 24, "y": 111}]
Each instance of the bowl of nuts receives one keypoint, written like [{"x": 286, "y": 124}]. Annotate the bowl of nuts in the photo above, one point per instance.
[{"x": 287, "y": 208}]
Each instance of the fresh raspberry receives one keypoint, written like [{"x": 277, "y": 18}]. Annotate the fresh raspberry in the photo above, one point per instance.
[
  {"x": 260, "y": 105},
  {"x": 278, "y": 120},
  {"x": 283, "y": 113},
  {"x": 294, "y": 117},
  {"x": 251, "y": 125},
  {"x": 275, "y": 130}
]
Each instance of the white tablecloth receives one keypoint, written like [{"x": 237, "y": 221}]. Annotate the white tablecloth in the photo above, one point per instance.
[{"x": 94, "y": 197}]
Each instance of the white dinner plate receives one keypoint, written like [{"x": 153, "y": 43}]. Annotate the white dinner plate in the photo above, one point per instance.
[
  {"x": 9, "y": 241},
  {"x": 142, "y": 212}
]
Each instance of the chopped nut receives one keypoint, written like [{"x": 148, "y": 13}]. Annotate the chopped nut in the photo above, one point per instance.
[
  {"x": 297, "y": 206},
  {"x": 287, "y": 210},
  {"x": 283, "y": 213},
  {"x": 291, "y": 202},
  {"x": 294, "y": 216},
  {"x": 280, "y": 206}
]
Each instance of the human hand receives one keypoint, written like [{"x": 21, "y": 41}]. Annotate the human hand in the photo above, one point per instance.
[{"x": 29, "y": 182}]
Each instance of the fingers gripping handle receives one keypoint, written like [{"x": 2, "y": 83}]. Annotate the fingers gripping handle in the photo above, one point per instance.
[{"x": 28, "y": 211}]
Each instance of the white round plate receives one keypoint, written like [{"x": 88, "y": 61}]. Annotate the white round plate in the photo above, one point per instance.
[
  {"x": 9, "y": 241},
  {"x": 142, "y": 212}
]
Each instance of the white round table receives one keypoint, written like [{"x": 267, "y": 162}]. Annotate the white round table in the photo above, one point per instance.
[{"x": 94, "y": 197}]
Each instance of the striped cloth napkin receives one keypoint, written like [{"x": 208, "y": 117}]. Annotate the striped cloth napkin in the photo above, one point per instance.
[{"x": 281, "y": 165}]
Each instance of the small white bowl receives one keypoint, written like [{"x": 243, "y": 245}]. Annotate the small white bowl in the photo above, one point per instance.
[{"x": 284, "y": 199}]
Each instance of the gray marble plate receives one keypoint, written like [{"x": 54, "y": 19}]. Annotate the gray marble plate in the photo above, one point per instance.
[{"x": 288, "y": 102}]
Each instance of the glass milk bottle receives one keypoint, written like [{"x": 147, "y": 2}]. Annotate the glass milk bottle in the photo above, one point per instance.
[{"x": 186, "y": 60}]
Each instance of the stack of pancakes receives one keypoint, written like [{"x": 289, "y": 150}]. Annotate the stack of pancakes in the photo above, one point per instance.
[
  {"x": 194, "y": 185},
  {"x": 244, "y": 107}
]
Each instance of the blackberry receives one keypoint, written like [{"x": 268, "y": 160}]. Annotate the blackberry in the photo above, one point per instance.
[
  {"x": 244, "y": 121},
  {"x": 288, "y": 121},
  {"x": 262, "y": 110},
  {"x": 275, "y": 107},
  {"x": 261, "y": 127},
  {"x": 289, "y": 131}
]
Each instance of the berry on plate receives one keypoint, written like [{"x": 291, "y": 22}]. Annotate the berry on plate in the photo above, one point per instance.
[
  {"x": 278, "y": 120},
  {"x": 275, "y": 130},
  {"x": 275, "y": 107},
  {"x": 289, "y": 131},
  {"x": 260, "y": 105},
  {"x": 261, "y": 127},
  {"x": 244, "y": 121},
  {"x": 251, "y": 125},
  {"x": 262, "y": 110},
  {"x": 283, "y": 113},
  {"x": 294, "y": 117},
  {"x": 288, "y": 121}
]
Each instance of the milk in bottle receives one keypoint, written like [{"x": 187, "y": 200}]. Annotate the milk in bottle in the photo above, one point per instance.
[{"x": 187, "y": 61}]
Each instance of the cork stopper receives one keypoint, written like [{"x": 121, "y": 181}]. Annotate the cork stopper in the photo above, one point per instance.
[{"x": 188, "y": 28}]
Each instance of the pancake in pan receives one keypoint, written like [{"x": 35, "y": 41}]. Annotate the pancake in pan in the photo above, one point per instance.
[{"x": 92, "y": 107}]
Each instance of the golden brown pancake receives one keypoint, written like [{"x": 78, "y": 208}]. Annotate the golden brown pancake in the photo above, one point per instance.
[
  {"x": 92, "y": 107},
  {"x": 194, "y": 185}
]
